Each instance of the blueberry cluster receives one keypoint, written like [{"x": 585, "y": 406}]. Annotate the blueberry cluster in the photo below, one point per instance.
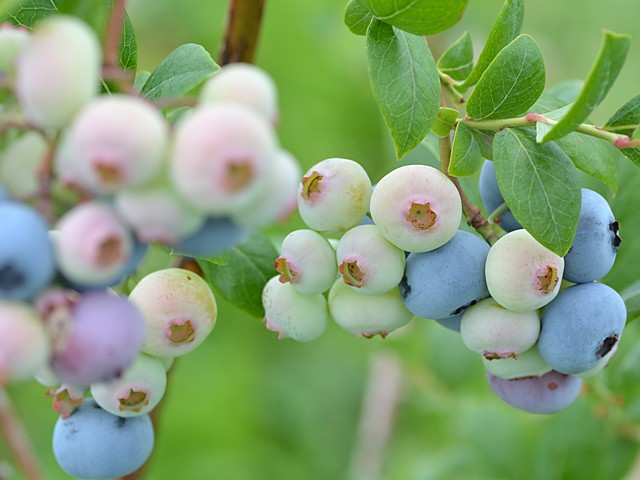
[
  {"x": 539, "y": 321},
  {"x": 128, "y": 178}
]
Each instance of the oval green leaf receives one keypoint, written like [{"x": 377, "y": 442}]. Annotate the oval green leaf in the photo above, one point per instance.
[
  {"x": 541, "y": 186},
  {"x": 511, "y": 84},
  {"x": 445, "y": 120},
  {"x": 600, "y": 80},
  {"x": 505, "y": 29},
  {"x": 457, "y": 60},
  {"x": 626, "y": 121},
  {"x": 240, "y": 273},
  {"x": 180, "y": 72},
  {"x": 357, "y": 18},
  {"x": 405, "y": 84},
  {"x": 420, "y": 17},
  {"x": 465, "y": 153}
]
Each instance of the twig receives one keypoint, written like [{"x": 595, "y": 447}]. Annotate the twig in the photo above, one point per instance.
[
  {"x": 114, "y": 31},
  {"x": 18, "y": 440},
  {"x": 243, "y": 27},
  {"x": 381, "y": 399},
  {"x": 474, "y": 216},
  {"x": 503, "y": 207}
]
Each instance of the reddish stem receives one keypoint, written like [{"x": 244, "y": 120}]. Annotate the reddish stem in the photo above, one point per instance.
[
  {"x": 241, "y": 35},
  {"x": 18, "y": 440}
]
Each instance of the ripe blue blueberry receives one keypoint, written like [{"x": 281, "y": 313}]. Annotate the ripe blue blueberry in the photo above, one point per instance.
[
  {"x": 92, "y": 443},
  {"x": 492, "y": 198},
  {"x": 217, "y": 234},
  {"x": 595, "y": 245},
  {"x": 26, "y": 254},
  {"x": 549, "y": 393},
  {"x": 581, "y": 328},
  {"x": 443, "y": 282}
]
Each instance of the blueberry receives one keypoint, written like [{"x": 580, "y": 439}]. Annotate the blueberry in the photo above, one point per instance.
[
  {"x": 445, "y": 281},
  {"x": 595, "y": 245},
  {"x": 26, "y": 254},
  {"x": 549, "y": 393},
  {"x": 217, "y": 234},
  {"x": 581, "y": 328},
  {"x": 492, "y": 198},
  {"x": 452, "y": 323},
  {"x": 92, "y": 443}
]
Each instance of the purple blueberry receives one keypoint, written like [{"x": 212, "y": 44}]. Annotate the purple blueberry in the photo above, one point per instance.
[
  {"x": 595, "y": 245},
  {"x": 492, "y": 198},
  {"x": 443, "y": 282},
  {"x": 549, "y": 393},
  {"x": 92, "y": 443},
  {"x": 26, "y": 254},
  {"x": 581, "y": 328}
]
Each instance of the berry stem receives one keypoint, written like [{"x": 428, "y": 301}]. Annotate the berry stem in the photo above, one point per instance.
[
  {"x": 18, "y": 440},
  {"x": 241, "y": 35},
  {"x": 474, "y": 216},
  {"x": 497, "y": 212},
  {"x": 530, "y": 119},
  {"x": 448, "y": 84}
]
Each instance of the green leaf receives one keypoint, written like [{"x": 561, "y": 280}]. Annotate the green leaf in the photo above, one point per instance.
[
  {"x": 420, "y": 17},
  {"x": 128, "y": 46},
  {"x": 568, "y": 91},
  {"x": 602, "y": 76},
  {"x": 484, "y": 138},
  {"x": 541, "y": 186},
  {"x": 626, "y": 121},
  {"x": 29, "y": 12},
  {"x": 240, "y": 273},
  {"x": 543, "y": 128},
  {"x": 505, "y": 29},
  {"x": 511, "y": 84},
  {"x": 140, "y": 79},
  {"x": 181, "y": 71},
  {"x": 631, "y": 297},
  {"x": 457, "y": 60},
  {"x": 445, "y": 120},
  {"x": 465, "y": 153},
  {"x": 405, "y": 84},
  {"x": 357, "y": 18}
]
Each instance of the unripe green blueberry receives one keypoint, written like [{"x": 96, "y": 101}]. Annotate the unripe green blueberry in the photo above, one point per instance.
[
  {"x": 116, "y": 141},
  {"x": 24, "y": 344},
  {"x": 246, "y": 84},
  {"x": 334, "y": 195},
  {"x": 278, "y": 198},
  {"x": 416, "y": 207},
  {"x": 368, "y": 262},
  {"x": 307, "y": 261},
  {"x": 12, "y": 41},
  {"x": 20, "y": 163},
  {"x": 223, "y": 157},
  {"x": 495, "y": 332},
  {"x": 58, "y": 71},
  {"x": 292, "y": 314},
  {"x": 367, "y": 315},
  {"x": 136, "y": 392},
  {"x": 527, "y": 364},
  {"x": 521, "y": 274},
  {"x": 179, "y": 310},
  {"x": 158, "y": 214}
]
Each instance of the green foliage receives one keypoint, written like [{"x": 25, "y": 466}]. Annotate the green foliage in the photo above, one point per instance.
[
  {"x": 457, "y": 60},
  {"x": 627, "y": 122},
  {"x": 405, "y": 83},
  {"x": 420, "y": 17},
  {"x": 445, "y": 121},
  {"x": 466, "y": 158},
  {"x": 511, "y": 84},
  {"x": 180, "y": 72},
  {"x": 505, "y": 29},
  {"x": 240, "y": 273},
  {"x": 631, "y": 297},
  {"x": 357, "y": 18},
  {"x": 541, "y": 186},
  {"x": 96, "y": 13},
  {"x": 600, "y": 80}
]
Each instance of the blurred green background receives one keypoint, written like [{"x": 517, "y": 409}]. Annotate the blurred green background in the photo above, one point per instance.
[{"x": 246, "y": 406}]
